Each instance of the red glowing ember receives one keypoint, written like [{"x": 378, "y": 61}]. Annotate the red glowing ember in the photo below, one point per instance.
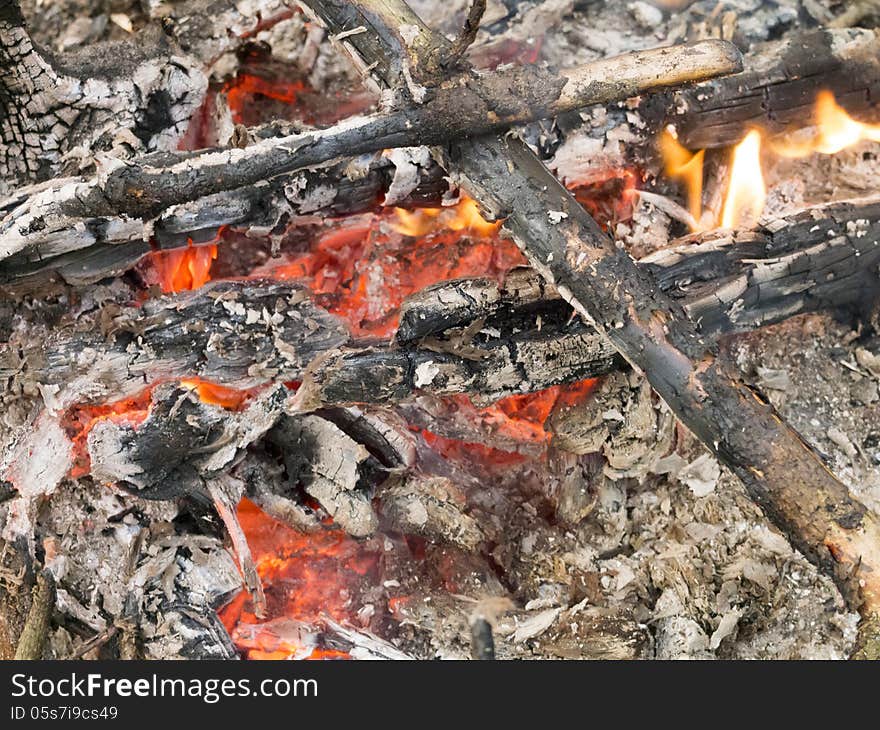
[
  {"x": 517, "y": 420},
  {"x": 364, "y": 272},
  {"x": 245, "y": 92},
  {"x": 79, "y": 421},
  {"x": 306, "y": 577},
  {"x": 183, "y": 269}
]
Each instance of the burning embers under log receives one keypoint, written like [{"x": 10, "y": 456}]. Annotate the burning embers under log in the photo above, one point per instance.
[{"x": 363, "y": 435}]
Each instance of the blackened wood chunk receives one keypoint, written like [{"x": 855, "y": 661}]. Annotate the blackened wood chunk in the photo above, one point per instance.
[
  {"x": 825, "y": 258},
  {"x": 332, "y": 468},
  {"x": 176, "y": 590},
  {"x": 182, "y": 442},
  {"x": 778, "y": 88}
]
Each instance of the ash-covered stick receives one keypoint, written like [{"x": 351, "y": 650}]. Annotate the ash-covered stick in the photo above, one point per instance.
[
  {"x": 779, "y": 470},
  {"x": 36, "y": 627},
  {"x": 226, "y": 493}
]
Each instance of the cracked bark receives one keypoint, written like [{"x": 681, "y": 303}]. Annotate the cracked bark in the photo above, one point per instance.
[
  {"x": 52, "y": 229},
  {"x": 58, "y": 113},
  {"x": 777, "y": 88}
]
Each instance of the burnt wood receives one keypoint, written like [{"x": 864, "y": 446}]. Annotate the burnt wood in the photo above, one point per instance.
[
  {"x": 55, "y": 111},
  {"x": 777, "y": 89}
]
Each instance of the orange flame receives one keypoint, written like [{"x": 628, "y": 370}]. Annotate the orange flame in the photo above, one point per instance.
[
  {"x": 184, "y": 269},
  {"x": 608, "y": 198},
  {"x": 682, "y": 164},
  {"x": 242, "y": 93},
  {"x": 834, "y": 130},
  {"x": 747, "y": 192},
  {"x": 465, "y": 216}
]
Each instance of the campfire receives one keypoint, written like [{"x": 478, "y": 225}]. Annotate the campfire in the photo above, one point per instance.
[{"x": 346, "y": 329}]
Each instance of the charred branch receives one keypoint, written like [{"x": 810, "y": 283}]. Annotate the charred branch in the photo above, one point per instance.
[
  {"x": 522, "y": 363},
  {"x": 86, "y": 250},
  {"x": 465, "y": 105},
  {"x": 468, "y": 33},
  {"x": 240, "y": 334},
  {"x": 824, "y": 258}
]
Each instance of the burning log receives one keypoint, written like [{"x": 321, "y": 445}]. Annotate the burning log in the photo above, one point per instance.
[
  {"x": 491, "y": 339},
  {"x": 237, "y": 333},
  {"x": 521, "y": 363},
  {"x": 779, "y": 470},
  {"x": 776, "y": 89},
  {"x": 822, "y": 258}
]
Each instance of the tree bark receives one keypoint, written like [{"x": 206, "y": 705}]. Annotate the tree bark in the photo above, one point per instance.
[{"x": 118, "y": 98}]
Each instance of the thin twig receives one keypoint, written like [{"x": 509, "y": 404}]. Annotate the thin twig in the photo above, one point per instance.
[
  {"x": 95, "y": 642},
  {"x": 468, "y": 34}
]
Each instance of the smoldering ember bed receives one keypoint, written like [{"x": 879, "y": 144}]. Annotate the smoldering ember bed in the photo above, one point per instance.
[{"x": 342, "y": 329}]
